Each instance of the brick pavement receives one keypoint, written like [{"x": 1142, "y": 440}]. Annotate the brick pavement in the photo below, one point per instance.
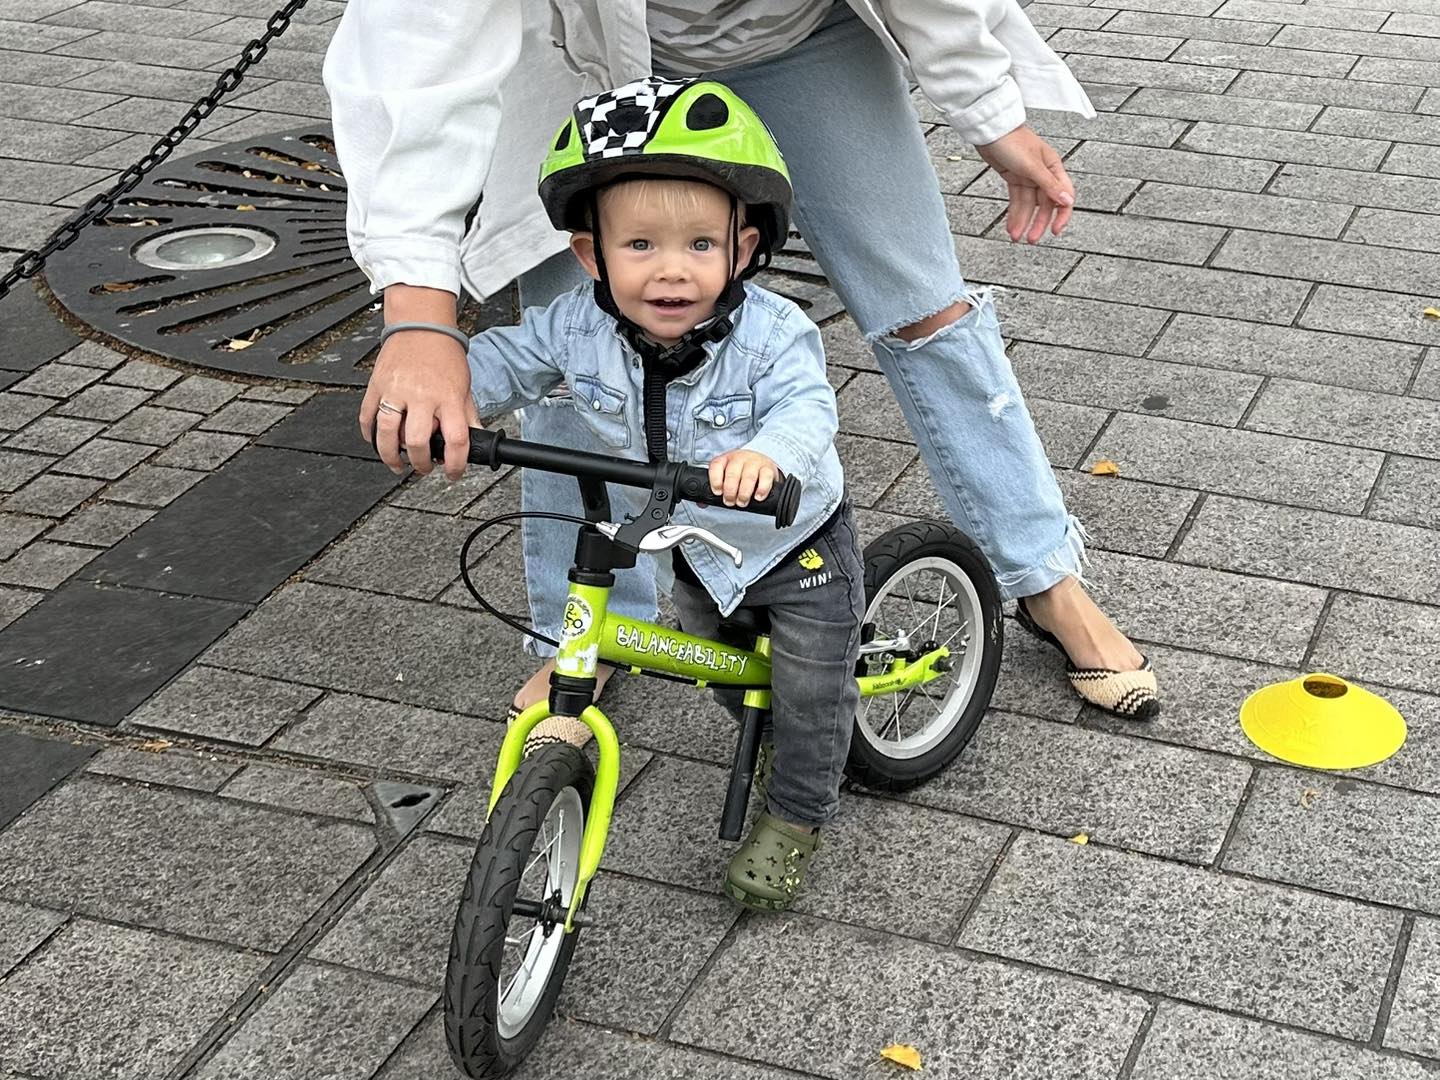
[{"x": 1234, "y": 317}]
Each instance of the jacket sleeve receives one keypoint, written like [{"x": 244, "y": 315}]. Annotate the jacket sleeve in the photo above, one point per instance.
[
  {"x": 794, "y": 402},
  {"x": 514, "y": 366},
  {"x": 415, "y": 98}
]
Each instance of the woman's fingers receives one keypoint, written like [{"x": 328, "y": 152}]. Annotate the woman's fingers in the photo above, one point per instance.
[{"x": 1022, "y": 211}]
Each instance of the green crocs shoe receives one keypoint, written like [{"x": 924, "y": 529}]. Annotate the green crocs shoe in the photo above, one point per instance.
[
  {"x": 764, "y": 767},
  {"x": 768, "y": 870}
]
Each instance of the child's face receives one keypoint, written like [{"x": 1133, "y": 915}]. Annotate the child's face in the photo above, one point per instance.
[{"x": 667, "y": 252}]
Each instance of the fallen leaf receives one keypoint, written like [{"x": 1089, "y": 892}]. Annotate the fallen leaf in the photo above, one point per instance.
[
  {"x": 903, "y": 1055},
  {"x": 311, "y": 166},
  {"x": 118, "y": 286},
  {"x": 1307, "y": 796},
  {"x": 236, "y": 344},
  {"x": 244, "y": 206},
  {"x": 1431, "y": 313},
  {"x": 156, "y": 746},
  {"x": 1105, "y": 467},
  {"x": 954, "y": 157},
  {"x": 1080, "y": 838}
]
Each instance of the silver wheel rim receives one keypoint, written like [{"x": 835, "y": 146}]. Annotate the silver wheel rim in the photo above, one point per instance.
[
  {"x": 529, "y": 956},
  {"x": 931, "y": 599}
]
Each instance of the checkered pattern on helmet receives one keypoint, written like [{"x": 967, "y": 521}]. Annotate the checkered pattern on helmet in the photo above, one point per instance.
[{"x": 593, "y": 115}]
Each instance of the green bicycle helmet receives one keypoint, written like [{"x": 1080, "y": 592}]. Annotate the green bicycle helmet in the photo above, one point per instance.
[{"x": 668, "y": 128}]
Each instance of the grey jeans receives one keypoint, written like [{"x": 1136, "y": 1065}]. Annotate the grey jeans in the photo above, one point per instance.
[{"x": 816, "y": 601}]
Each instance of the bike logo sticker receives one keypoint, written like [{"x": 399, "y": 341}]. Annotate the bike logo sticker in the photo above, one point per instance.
[
  {"x": 810, "y": 559},
  {"x": 577, "y": 620}
]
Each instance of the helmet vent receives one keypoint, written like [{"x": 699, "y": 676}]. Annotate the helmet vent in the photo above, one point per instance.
[
  {"x": 624, "y": 119},
  {"x": 708, "y": 111},
  {"x": 563, "y": 139}
]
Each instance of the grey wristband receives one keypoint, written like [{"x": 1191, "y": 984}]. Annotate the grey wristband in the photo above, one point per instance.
[{"x": 439, "y": 328}]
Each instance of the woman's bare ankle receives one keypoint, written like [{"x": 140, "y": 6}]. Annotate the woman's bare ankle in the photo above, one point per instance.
[{"x": 538, "y": 685}]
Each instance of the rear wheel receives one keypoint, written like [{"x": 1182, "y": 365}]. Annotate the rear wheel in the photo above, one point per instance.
[
  {"x": 926, "y": 585},
  {"x": 509, "y": 951}
]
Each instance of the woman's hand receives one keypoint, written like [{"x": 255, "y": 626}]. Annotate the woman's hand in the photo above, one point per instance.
[
  {"x": 1041, "y": 194},
  {"x": 424, "y": 381}
]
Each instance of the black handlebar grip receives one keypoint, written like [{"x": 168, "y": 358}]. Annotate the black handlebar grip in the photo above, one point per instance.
[
  {"x": 782, "y": 503},
  {"x": 484, "y": 447}
]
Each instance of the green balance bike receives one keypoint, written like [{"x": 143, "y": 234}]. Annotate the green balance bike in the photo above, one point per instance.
[{"x": 929, "y": 658}]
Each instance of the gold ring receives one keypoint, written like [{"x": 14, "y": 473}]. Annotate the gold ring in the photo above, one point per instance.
[{"x": 386, "y": 406}]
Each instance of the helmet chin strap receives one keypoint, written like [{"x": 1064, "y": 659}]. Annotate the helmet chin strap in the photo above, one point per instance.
[{"x": 664, "y": 363}]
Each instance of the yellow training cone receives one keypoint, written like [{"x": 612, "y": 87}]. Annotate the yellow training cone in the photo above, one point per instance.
[{"x": 1322, "y": 722}]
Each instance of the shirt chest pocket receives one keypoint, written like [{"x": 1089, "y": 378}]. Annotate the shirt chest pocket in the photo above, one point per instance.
[
  {"x": 603, "y": 408},
  {"x": 722, "y": 424}
]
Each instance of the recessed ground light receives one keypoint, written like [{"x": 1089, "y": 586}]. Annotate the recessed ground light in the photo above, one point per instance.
[{"x": 208, "y": 247}]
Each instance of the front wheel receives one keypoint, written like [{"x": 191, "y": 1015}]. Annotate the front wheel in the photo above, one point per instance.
[
  {"x": 509, "y": 950},
  {"x": 926, "y": 585}
]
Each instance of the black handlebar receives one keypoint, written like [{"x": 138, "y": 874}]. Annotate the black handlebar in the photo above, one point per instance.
[{"x": 493, "y": 449}]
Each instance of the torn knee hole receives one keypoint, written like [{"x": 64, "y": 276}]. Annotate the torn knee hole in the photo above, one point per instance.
[{"x": 932, "y": 324}]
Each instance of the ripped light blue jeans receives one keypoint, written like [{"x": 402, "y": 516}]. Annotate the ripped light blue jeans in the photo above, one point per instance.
[{"x": 868, "y": 203}]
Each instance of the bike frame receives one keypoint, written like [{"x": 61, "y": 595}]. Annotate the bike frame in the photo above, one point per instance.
[{"x": 590, "y": 635}]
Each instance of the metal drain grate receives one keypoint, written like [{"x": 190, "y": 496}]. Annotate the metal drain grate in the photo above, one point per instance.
[{"x": 301, "y": 310}]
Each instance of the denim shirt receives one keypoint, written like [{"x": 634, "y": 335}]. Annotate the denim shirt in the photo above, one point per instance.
[{"x": 763, "y": 388}]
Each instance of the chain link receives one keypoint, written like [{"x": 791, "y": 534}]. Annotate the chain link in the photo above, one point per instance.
[{"x": 31, "y": 263}]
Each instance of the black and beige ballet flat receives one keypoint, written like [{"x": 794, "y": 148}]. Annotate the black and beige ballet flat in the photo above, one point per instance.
[
  {"x": 568, "y": 730},
  {"x": 1129, "y": 695}
]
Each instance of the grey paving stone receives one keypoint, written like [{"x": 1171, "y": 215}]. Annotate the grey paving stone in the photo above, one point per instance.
[
  {"x": 990, "y": 1019},
  {"x": 305, "y": 790},
  {"x": 1137, "y": 237},
  {"x": 868, "y": 407},
  {"x": 1357, "y": 91},
  {"x": 401, "y": 925},
  {"x": 1327, "y": 260},
  {"x": 1133, "y": 128},
  {"x": 1288, "y": 61},
  {"x": 174, "y": 768},
  {"x": 154, "y": 426},
  {"x": 136, "y": 18},
  {"x": 149, "y": 49},
  {"x": 101, "y": 525},
  {"x": 58, "y": 380},
  {"x": 246, "y": 417},
  {"x": 1062, "y": 14},
  {"x": 1175, "y": 166},
  {"x": 262, "y": 124},
  {"x": 49, "y": 102},
  {"x": 1218, "y": 612},
  {"x": 151, "y": 485},
  {"x": 500, "y": 577},
  {"x": 225, "y": 705},
  {"x": 322, "y": 1023},
  {"x": 1065, "y": 430},
  {"x": 1032, "y": 679},
  {"x": 47, "y": 70},
  {"x": 104, "y": 402},
  {"x": 1213, "y": 27},
  {"x": 205, "y": 451},
  {"x": 389, "y": 734},
  {"x": 17, "y": 467},
  {"x": 913, "y": 495},
  {"x": 54, "y": 435},
  {"x": 1382, "y": 641},
  {"x": 1296, "y": 15},
  {"x": 1430, "y": 102},
  {"x": 1427, "y": 378},
  {"x": 1167, "y": 74},
  {"x": 970, "y": 215},
  {"x": 181, "y": 861},
  {"x": 1380, "y": 124},
  {"x": 149, "y": 993},
  {"x": 403, "y": 552},
  {"x": 146, "y": 80},
  {"x": 1414, "y": 160},
  {"x": 1330, "y": 550},
  {"x": 1248, "y": 463},
  {"x": 22, "y": 928},
  {"x": 200, "y": 393},
  {"x": 1093, "y": 191},
  {"x": 52, "y": 496},
  {"x": 287, "y": 96},
  {"x": 108, "y": 459},
  {"x": 1065, "y": 780},
  {"x": 30, "y": 766},
  {"x": 871, "y": 465},
  {"x": 26, "y": 225},
  {"x": 1080, "y": 323},
  {"x": 999, "y": 262},
  {"x": 1136, "y": 45},
  {"x": 44, "y": 565},
  {"x": 1272, "y": 144},
  {"x": 1400, "y": 46},
  {"x": 1110, "y": 381},
  {"x": 1186, "y": 288},
  {"x": 1186, "y": 1043},
  {"x": 1271, "y": 213},
  {"x": 670, "y": 717},
  {"x": 1276, "y": 953},
  {"x": 1403, "y": 425},
  {"x": 437, "y": 495},
  {"x": 16, "y": 531},
  {"x": 1417, "y": 999},
  {"x": 326, "y": 424},
  {"x": 1355, "y": 188},
  {"x": 239, "y": 30},
  {"x": 143, "y": 374},
  {"x": 17, "y": 410},
  {"x": 38, "y": 36},
  {"x": 282, "y": 395},
  {"x": 62, "y": 143},
  {"x": 1408, "y": 492},
  {"x": 1228, "y": 108},
  {"x": 93, "y": 354},
  {"x": 1337, "y": 359},
  {"x": 1348, "y": 837}
]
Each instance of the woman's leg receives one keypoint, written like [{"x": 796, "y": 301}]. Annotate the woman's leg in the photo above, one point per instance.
[{"x": 869, "y": 205}]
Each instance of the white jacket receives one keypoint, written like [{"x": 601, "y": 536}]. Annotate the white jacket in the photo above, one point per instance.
[{"x": 416, "y": 89}]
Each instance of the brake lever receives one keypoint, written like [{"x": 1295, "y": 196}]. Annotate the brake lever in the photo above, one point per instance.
[{"x": 669, "y": 536}]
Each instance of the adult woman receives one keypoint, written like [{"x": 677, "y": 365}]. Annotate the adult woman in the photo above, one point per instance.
[{"x": 417, "y": 93}]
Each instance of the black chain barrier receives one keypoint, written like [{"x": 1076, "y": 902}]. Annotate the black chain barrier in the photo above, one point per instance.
[{"x": 32, "y": 262}]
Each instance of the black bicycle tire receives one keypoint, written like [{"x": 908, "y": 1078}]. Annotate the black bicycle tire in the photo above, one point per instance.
[
  {"x": 884, "y": 556},
  {"x": 472, "y": 975}
]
